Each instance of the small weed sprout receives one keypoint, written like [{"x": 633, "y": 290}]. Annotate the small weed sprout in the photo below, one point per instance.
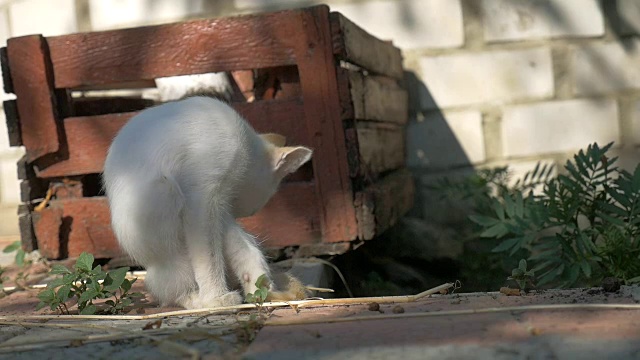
[
  {"x": 261, "y": 293},
  {"x": 87, "y": 284},
  {"x": 248, "y": 329},
  {"x": 522, "y": 276}
]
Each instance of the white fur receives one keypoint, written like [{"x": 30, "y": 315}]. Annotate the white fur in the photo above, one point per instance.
[{"x": 176, "y": 176}]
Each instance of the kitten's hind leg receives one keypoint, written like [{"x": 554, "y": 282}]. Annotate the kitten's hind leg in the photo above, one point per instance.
[{"x": 205, "y": 230}]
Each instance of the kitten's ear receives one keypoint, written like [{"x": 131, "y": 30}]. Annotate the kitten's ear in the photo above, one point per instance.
[
  {"x": 275, "y": 139},
  {"x": 289, "y": 159}
]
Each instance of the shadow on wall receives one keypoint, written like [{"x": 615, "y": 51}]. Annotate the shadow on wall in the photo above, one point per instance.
[{"x": 431, "y": 143}]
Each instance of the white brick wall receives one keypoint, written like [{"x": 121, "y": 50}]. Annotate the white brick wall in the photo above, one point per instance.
[
  {"x": 609, "y": 67},
  {"x": 508, "y": 20},
  {"x": 409, "y": 23},
  {"x": 110, "y": 14},
  {"x": 558, "y": 126},
  {"x": 9, "y": 185},
  {"x": 442, "y": 140},
  {"x": 45, "y": 17},
  {"x": 488, "y": 77}
]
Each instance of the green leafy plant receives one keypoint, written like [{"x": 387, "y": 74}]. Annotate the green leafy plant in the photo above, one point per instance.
[
  {"x": 585, "y": 224},
  {"x": 522, "y": 276},
  {"x": 260, "y": 295},
  {"x": 87, "y": 284},
  {"x": 20, "y": 254}
]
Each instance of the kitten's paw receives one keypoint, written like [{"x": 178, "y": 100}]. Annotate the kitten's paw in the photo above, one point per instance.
[{"x": 229, "y": 299}]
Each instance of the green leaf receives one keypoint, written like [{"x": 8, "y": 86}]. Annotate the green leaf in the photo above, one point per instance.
[
  {"x": 517, "y": 273},
  {"x": 262, "y": 293},
  {"x": 483, "y": 220},
  {"x": 85, "y": 262},
  {"x": 126, "y": 302},
  {"x": 115, "y": 278},
  {"x": 249, "y": 298},
  {"x": 12, "y": 247},
  {"x": 110, "y": 303},
  {"x": 47, "y": 295},
  {"x": 40, "y": 305},
  {"x": 522, "y": 265},
  {"x": 506, "y": 245},
  {"x": 98, "y": 273},
  {"x": 586, "y": 268},
  {"x": 262, "y": 281},
  {"x": 88, "y": 310},
  {"x": 126, "y": 285},
  {"x": 59, "y": 269},
  {"x": 56, "y": 283},
  {"x": 64, "y": 293},
  {"x": 634, "y": 280},
  {"x": 135, "y": 294},
  {"x": 90, "y": 294},
  {"x": 497, "y": 231},
  {"x": 19, "y": 259}
]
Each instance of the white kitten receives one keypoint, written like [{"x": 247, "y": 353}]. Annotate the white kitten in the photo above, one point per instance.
[{"x": 176, "y": 176}]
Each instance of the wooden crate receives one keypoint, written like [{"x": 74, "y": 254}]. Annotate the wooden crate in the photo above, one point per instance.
[{"x": 312, "y": 76}]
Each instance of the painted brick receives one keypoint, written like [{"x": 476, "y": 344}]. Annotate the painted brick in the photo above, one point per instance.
[
  {"x": 629, "y": 16},
  {"x": 508, "y": 20},
  {"x": 607, "y": 67},
  {"x": 43, "y": 17},
  {"x": 409, "y": 23},
  {"x": 487, "y": 77},
  {"x": 562, "y": 126},
  {"x": 111, "y": 14},
  {"x": 445, "y": 140}
]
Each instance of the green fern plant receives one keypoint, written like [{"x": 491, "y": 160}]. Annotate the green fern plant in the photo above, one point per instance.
[{"x": 585, "y": 225}]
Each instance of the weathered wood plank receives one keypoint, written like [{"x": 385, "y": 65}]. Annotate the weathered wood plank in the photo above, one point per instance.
[
  {"x": 352, "y": 44},
  {"x": 6, "y": 75},
  {"x": 25, "y": 169},
  {"x": 381, "y": 147},
  {"x": 13, "y": 122},
  {"x": 32, "y": 189},
  {"x": 191, "y": 47},
  {"x": 25, "y": 223},
  {"x": 89, "y": 137},
  {"x": 380, "y": 205},
  {"x": 69, "y": 227},
  {"x": 32, "y": 78},
  {"x": 317, "y": 70},
  {"x": 377, "y": 98}
]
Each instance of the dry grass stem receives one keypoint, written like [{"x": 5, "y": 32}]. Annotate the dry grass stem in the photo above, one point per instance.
[{"x": 275, "y": 304}]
